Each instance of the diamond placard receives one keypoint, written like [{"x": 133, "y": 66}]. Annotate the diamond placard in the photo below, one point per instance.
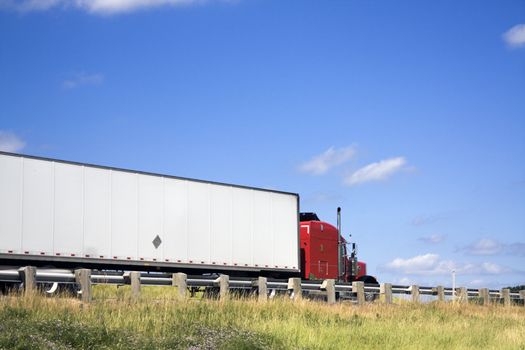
[{"x": 156, "y": 241}]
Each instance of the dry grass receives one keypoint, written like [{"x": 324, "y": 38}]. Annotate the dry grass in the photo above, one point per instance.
[{"x": 112, "y": 321}]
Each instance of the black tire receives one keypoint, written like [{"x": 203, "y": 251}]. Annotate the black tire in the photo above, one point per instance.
[
  {"x": 370, "y": 297},
  {"x": 9, "y": 287},
  {"x": 367, "y": 279}
]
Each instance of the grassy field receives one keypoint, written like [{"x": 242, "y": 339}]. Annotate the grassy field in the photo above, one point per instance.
[{"x": 159, "y": 321}]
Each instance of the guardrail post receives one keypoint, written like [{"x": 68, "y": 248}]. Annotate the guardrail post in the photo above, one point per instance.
[
  {"x": 385, "y": 291},
  {"x": 358, "y": 287},
  {"x": 440, "y": 293},
  {"x": 484, "y": 295},
  {"x": 505, "y": 294},
  {"x": 179, "y": 280},
  {"x": 133, "y": 278},
  {"x": 28, "y": 277},
  {"x": 414, "y": 291},
  {"x": 262, "y": 288},
  {"x": 83, "y": 278},
  {"x": 329, "y": 286},
  {"x": 463, "y": 295},
  {"x": 294, "y": 285},
  {"x": 224, "y": 286},
  {"x": 522, "y": 296}
]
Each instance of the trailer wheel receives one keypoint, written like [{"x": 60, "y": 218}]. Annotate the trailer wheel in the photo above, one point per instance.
[
  {"x": 58, "y": 288},
  {"x": 50, "y": 288},
  {"x": 8, "y": 287}
]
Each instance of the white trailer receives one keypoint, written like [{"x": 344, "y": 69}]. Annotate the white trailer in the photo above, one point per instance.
[{"x": 59, "y": 213}]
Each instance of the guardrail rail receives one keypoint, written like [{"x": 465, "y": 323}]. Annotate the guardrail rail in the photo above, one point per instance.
[{"x": 222, "y": 286}]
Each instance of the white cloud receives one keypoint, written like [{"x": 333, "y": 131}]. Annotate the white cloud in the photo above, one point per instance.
[
  {"x": 9, "y": 142},
  {"x": 417, "y": 263},
  {"x": 378, "y": 171},
  {"x": 515, "y": 36},
  {"x": 404, "y": 281},
  {"x": 487, "y": 246},
  {"x": 478, "y": 282},
  {"x": 120, "y": 6},
  {"x": 103, "y": 7},
  {"x": 484, "y": 246},
  {"x": 81, "y": 79},
  {"x": 431, "y": 264},
  {"x": 432, "y": 239},
  {"x": 493, "y": 269},
  {"x": 327, "y": 160}
]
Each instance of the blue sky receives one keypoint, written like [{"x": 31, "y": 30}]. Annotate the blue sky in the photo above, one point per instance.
[{"x": 410, "y": 115}]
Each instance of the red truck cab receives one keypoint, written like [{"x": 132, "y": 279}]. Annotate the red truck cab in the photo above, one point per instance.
[{"x": 319, "y": 252}]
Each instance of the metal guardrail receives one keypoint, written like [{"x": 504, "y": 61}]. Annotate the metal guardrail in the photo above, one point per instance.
[{"x": 343, "y": 290}]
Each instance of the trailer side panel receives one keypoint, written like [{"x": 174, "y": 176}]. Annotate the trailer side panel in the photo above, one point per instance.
[{"x": 64, "y": 210}]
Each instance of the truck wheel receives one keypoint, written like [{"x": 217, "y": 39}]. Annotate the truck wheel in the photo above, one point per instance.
[{"x": 370, "y": 297}]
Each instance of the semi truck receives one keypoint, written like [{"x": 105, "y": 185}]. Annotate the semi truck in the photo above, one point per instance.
[{"x": 63, "y": 214}]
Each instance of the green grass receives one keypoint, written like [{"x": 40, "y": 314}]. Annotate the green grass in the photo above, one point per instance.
[{"x": 160, "y": 321}]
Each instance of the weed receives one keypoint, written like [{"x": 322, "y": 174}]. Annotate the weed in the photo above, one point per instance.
[{"x": 160, "y": 321}]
